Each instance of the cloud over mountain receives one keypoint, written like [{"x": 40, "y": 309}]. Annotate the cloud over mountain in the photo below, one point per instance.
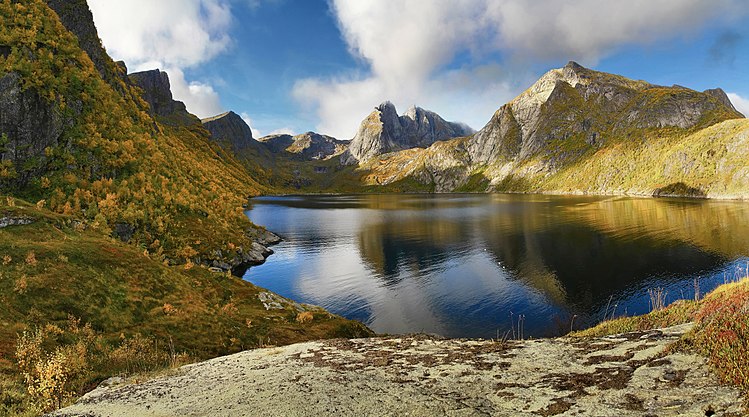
[
  {"x": 171, "y": 35},
  {"x": 408, "y": 47}
]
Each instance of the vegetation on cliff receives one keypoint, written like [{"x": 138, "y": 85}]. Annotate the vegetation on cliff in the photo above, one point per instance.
[
  {"x": 112, "y": 165},
  {"x": 109, "y": 218}
]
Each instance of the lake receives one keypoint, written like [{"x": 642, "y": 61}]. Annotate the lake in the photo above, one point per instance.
[{"x": 488, "y": 265}]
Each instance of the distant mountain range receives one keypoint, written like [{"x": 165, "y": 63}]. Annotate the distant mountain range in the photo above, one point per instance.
[{"x": 574, "y": 131}]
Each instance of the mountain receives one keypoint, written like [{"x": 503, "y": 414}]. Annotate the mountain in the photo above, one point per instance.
[
  {"x": 120, "y": 219},
  {"x": 308, "y": 146},
  {"x": 232, "y": 131},
  {"x": 384, "y": 131},
  {"x": 586, "y": 108},
  {"x": 157, "y": 92},
  {"x": 579, "y": 131}
]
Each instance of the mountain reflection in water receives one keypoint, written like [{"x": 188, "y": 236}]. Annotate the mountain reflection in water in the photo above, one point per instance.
[{"x": 464, "y": 265}]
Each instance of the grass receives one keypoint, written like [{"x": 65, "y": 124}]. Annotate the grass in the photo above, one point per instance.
[
  {"x": 721, "y": 331},
  {"x": 54, "y": 269}
]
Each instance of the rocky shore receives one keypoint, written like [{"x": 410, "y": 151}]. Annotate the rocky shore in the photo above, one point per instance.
[{"x": 632, "y": 374}]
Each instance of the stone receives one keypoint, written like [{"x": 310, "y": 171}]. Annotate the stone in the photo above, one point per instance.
[
  {"x": 6, "y": 221},
  {"x": 420, "y": 375},
  {"x": 123, "y": 231},
  {"x": 31, "y": 124}
]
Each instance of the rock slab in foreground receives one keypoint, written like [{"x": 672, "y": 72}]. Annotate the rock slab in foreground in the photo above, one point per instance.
[{"x": 626, "y": 375}]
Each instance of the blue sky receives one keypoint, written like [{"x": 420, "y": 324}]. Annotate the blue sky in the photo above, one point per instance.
[{"x": 323, "y": 65}]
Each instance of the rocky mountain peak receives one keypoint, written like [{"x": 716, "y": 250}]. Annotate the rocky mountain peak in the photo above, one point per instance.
[
  {"x": 158, "y": 94},
  {"x": 721, "y": 95},
  {"x": 229, "y": 128},
  {"x": 574, "y": 101},
  {"x": 384, "y": 131}
]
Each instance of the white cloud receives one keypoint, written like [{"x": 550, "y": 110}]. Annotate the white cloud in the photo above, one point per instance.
[
  {"x": 407, "y": 45},
  {"x": 283, "y": 131},
  {"x": 200, "y": 99},
  {"x": 586, "y": 30},
  {"x": 741, "y": 103},
  {"x": 170, "y": 35},
  {"x": 256, "y": 133}
]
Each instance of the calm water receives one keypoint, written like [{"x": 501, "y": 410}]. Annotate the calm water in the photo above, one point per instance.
[{"x": 470, "y": 265}]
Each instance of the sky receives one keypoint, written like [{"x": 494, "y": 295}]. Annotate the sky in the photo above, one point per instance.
[{"x": 291, "y": 66}]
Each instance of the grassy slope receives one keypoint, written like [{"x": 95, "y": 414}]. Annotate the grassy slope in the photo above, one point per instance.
[
  {"x": 114, "y": 164},
  {"x": 120, "y": 291},
  {"x": 119, "y": 166},
  {"x": 713, "y": 160}
]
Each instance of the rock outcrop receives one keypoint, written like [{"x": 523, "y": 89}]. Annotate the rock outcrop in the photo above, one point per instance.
[
  {"x": 76, "y": 16},
  {"x": 721, "y": 96},
  {"x": 157, "y": 93},
  {"x": 231, "y": 129},
  {"x": 585, "y": 108},
  {"x": 305, "y": 147},
  {"x": 624, "y": 375},
  {"x": 30, "y": 123},
  {"x": 384, "y": 131}
]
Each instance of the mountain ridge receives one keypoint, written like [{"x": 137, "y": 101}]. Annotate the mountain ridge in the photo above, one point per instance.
[
  {"x": 384, "y": 131},
  {"x": 551, "y": 136}
]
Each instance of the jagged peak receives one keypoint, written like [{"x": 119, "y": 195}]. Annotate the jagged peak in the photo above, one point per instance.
[
  {"x": 385, "y": 106},
  {"x": 414, "y": 111},
  {"x": 572, "y": 74}
]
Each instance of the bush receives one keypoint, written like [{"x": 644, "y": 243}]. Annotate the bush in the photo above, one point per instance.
[{"x": 59, "y": 364}]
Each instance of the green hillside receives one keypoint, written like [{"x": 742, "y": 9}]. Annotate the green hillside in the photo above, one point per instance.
[{"x": 109, "y": 218}]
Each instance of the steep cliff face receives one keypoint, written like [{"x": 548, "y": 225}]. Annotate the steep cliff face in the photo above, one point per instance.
[
  {"x": 158, "y": 94},
  {"x": 230, "y": 128},
  {"x": 30, "y": 124},
  {"x": 308, "y": 146},
  {"x": 573, "y": 109},
  {"x": 76, "y": 16},
  {"x": 384, "y": 131}
]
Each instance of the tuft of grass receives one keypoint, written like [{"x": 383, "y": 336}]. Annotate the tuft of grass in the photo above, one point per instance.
[{"x": 721, "y": 331}]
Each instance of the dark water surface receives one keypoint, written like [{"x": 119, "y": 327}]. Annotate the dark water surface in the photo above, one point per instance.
[{"x": 465, "y": 265}]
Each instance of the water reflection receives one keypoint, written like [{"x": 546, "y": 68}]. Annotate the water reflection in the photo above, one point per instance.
[{"x": 463, "y": 265}]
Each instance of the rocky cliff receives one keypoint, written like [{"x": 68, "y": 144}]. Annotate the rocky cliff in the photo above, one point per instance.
[
  {"x": 384, "y": 131},
  {"x": 231, "y": 129},
  {"x": 29, "y": 125},
  {"x": 157, "y": 93},
  {"x": 305, "y": 147},
  {"x": 582, "y": 131},
  {"x": 76, "y": 16}
]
